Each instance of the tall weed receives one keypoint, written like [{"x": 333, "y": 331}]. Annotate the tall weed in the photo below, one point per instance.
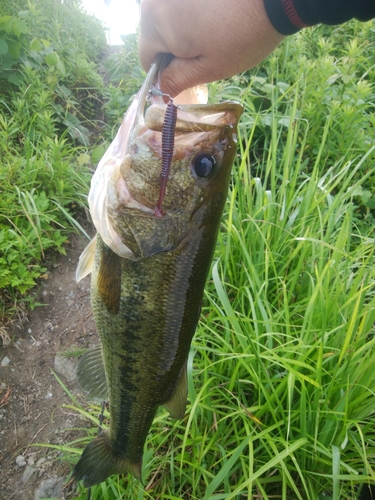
[{"x": 332, "y": 70}]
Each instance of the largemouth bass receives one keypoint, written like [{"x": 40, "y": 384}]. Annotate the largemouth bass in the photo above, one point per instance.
[{"x": 149, "y": 271}]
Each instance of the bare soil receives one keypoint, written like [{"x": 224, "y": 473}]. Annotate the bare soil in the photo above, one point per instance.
[{"x": 31, "y": 399}]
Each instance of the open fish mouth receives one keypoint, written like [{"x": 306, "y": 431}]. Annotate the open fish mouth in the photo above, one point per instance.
[{"x": 128, "y": 178}]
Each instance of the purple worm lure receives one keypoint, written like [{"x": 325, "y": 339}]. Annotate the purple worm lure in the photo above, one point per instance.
[{"x": 167, "y": 145}]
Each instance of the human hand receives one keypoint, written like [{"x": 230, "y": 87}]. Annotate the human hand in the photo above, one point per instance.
[{"x": 210, "y": 39}]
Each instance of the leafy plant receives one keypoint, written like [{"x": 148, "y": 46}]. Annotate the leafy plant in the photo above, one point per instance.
[
  {"x": 12, "y": 47},
  {"x": 49, "y": 104},
  {"x": 332, "y": 71},
  {"x": 125, "y": 76}
]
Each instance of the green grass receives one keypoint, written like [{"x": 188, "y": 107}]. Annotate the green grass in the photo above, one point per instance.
[
  {"x": 57, "y": 117},
  {"x": 50, "y": 113}
]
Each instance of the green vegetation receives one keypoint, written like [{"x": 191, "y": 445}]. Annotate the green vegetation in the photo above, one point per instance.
[
  {"x": 281, "y": 373},
  {"x": 52, "y": 111}
]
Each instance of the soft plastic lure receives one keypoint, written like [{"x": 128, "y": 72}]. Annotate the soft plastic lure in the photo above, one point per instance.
[{"x": 167, "y": 145}]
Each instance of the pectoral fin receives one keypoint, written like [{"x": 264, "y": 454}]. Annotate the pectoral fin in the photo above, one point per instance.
[
  {"x": 109, "y": 279},
  {"x": 91, "y": 375},
  {"x": 177, "y": 404},
  {"x": 86, "y": 260}
]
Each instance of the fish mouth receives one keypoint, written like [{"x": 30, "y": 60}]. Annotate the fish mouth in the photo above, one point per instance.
[
  {"x": 195, "y": 118},
  {"x": 196, "y": 123},
  {"x": 193, "y": 112},
  {"x": 121, "y": 186}
]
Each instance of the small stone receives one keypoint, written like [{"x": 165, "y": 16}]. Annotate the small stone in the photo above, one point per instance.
[
  {"x": 50, "y": 488},
  {"x": 30, "y": 474},
  {"x": 29, "y": 330},
  {"x": 49, "y": 395},
  {"x": 6, "y": 340},
  {"x": 5, "y": 361},
  {"x": 65, "y": 367},
  {"x": 32, "y": 458},
  {"x": 20, "y": 461}
]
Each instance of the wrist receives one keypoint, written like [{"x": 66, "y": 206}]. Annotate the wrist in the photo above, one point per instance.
[{"x": 266, "y": 34}]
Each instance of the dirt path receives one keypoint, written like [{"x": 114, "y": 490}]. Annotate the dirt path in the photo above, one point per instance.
[{"x": 31, "y": 399}]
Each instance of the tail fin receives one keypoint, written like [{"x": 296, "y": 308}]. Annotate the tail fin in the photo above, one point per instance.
[{"x": 98, "y": 462}]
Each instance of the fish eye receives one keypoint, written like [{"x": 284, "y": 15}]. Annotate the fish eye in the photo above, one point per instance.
[{"x": 204, "y": 165}]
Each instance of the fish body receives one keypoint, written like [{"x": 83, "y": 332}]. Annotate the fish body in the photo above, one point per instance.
[{"x": 149, "y": 272}]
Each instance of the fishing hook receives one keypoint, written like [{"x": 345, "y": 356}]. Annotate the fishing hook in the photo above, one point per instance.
[
  {"x": 154, "y": 92},
  {"x": 167, "y": 144}
]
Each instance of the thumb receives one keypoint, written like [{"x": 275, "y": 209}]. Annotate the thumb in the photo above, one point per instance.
[{"x": 182, "y": 74}]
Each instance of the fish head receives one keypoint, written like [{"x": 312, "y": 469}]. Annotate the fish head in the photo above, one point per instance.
[{"x": 126, "y": 187}]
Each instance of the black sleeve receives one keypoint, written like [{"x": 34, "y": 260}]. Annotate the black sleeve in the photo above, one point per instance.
[{"x": 289, "y": 16}]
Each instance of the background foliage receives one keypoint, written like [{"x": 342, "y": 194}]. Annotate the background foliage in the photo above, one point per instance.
[
  {"x": 281, "y": 373},
  {"x": 54, "y": 105}
]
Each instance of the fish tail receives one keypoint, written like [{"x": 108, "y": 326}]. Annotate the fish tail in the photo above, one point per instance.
[{"x": 98, "y": 462}]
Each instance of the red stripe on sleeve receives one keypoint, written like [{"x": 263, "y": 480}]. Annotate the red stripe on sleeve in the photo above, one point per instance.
[{"x": 291, "y": 12}]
